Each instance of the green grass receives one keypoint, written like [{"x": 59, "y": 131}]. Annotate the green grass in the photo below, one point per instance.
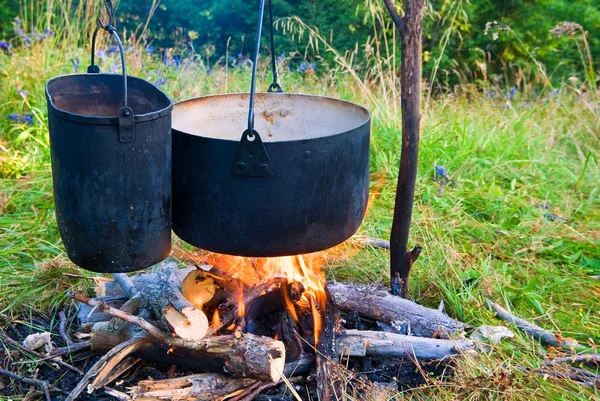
[{"x": 488, "y": 235}]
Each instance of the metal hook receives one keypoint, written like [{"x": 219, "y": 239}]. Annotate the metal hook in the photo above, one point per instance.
[{"x": 110, "y": 10}]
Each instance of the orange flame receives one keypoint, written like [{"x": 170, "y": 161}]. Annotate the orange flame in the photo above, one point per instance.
[{"x": 303, "y": 269}]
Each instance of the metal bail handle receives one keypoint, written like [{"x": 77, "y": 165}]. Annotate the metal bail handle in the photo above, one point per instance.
[
  {"x": 252, "y": 159},
  {"x": 126, "y": 115}
]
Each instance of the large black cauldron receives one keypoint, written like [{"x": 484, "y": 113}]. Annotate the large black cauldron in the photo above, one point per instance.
[{"x": 304, "y": 191}]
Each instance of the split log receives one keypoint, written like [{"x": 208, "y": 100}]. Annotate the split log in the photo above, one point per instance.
[
  {"x": 165, "y": 297},
  {"x": 200, "y": 387},
  {"x": 378, "y": 304},
  {"x": 370, "y": 343}
]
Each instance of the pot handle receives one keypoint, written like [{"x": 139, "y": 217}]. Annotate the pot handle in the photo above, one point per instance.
[
  {"x": 126, "y": 115},
  {"x": 252, "y": 159}
]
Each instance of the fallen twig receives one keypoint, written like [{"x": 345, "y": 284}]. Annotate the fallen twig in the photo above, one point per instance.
[
  {"x": 39, "y": 355},
  {"x": 586, "y": 359},
  {"x": 535, "y": 331},
  {"x": 580, "y": 376},
  {"x": 43, "y": 384},
  {"x": 76, "y": 347},
  {"x": 62, "y": 328}
]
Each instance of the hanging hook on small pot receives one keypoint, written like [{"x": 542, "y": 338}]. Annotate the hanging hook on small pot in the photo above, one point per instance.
[{"x": 126, "y": 114}]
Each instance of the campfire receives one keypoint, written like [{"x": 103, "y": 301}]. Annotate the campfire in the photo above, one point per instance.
[{"x": 249, "y": 324}]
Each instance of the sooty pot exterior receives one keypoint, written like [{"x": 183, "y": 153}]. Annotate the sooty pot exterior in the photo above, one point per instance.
[
  {"x": 315, "y": 197},
  {"x": 112, "y": 192}
]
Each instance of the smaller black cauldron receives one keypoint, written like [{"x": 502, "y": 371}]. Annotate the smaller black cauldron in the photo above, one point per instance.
[{"x": 110, "y": 138}]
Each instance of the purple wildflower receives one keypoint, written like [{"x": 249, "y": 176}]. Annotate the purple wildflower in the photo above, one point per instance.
[
  {"x": 161, "y": 82},
  {"x": 490, "y": 94},
  {"x": 76, "y": 63},
  {"x": 281, "y": 58},
  {"x": 21, "y": 119},
  {"x": 22, "y": 93},
  {"x": 101, "y": 54},
  {"x": 6, "y": 47},
  {"x": 112, "y": 49}
]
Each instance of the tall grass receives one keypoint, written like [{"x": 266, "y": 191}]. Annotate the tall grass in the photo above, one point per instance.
[{"x": 518, "y": 223}]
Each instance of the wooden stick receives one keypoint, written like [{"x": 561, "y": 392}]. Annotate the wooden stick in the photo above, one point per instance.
[
  {"x": 126, "y": 284},
  {"x": 200, "y": 387},
  {"x": 253, "y": 356},
  {"x": 544, "y": 336},
  {"x": 62, "y": 328},
  {"x": 378, "y": 304},
  {"x": 586, "y": 359},
  {"x": 39, "y": 355},
  {"x": 43, "y": 384},
  {"x": 369, "y": 343},
  {"x": 410, "y": 27},
  {"x": 125, "y": 348}
]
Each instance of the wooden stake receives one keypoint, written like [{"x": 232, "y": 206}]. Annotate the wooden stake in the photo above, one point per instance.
[{"x": 410, "y": 27}]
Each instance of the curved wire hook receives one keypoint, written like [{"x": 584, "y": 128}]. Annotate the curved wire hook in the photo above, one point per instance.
[{"x": 110, "y": 10}]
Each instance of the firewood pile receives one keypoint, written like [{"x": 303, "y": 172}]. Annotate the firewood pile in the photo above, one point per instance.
[{"x": 243, "y": 336}]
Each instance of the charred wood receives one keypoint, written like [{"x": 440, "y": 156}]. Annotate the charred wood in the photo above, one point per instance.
[{"x": 378, "y": 304}]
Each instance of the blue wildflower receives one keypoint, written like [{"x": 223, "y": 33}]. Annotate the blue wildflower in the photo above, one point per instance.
[
  {"x": 490, "y": 94},
  {"x": 208, "y": 70},
  {"x": 76, "y": 63},
  {"x": 303, "y": 67},
  {"x": 112, "y": 49},
  {"x": 512, "y": 92},
  {"x": 101, "y": 54},
  {"x": 6, "y": 47},
  {"x": 177, "y": 60},
  {"x": 150, "y": 49},
  {"x": 160, "y": 82},
  {"x": 18, "y": 21},
  {"x": 441, "y": 171},
  {"x": 21, "y": 119},
  {"x": 281, "y": 58}
]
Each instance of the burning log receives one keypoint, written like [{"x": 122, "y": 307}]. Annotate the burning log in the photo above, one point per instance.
[
  {"x": 370, "y": 343},
  {"x": 329, "y": 386},
  {"x": 378, "y": 304}
]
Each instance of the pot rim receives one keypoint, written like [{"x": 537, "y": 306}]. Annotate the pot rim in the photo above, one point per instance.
[
  {"x": 367, "y": 120},
  {"x": 106, "y": 120}
]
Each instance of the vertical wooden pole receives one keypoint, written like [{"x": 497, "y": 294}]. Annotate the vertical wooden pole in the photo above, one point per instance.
[{"x": 410, "y": 27}]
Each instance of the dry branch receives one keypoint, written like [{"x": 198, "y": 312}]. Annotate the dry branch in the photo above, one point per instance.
[
  {"x": 410, "y": 27},
  {"x": 546, "y": 337},
  {"x": 377, "y": 303},
  {"x": 370, "y": 343},
  {"x": 44, "y": 385},
  {"x": 200, "y": 387}
]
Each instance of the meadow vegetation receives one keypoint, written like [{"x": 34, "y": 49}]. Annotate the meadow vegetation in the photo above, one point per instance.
[{"x": 507, "y": 205}]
